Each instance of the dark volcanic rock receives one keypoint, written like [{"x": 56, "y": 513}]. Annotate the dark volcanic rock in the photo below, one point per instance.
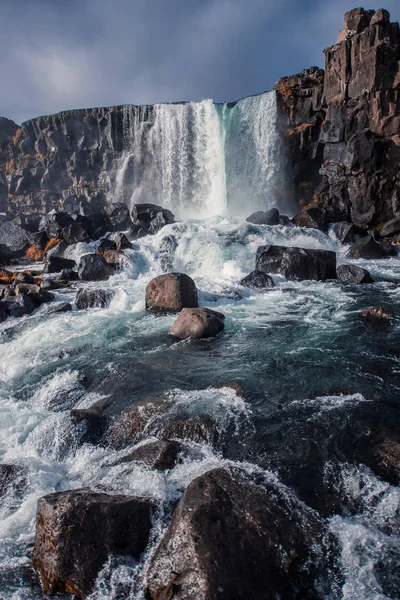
[
  {"x": 69, "y": 275},
  {"x": 231, "y": 538},
  {"x": 197, "y": 323},
  {"x": 76, "y": 531},
  {"x": 269, "y": 217},
  {"x": 8, "y": 473},
  {"x": 122, "y": 242},
  {"x": 390, "y": 228},
  {"x": 56, "y": 264},
  {"x": 3, "y": 312},
  {"x": 28, "y": 222},
  {"x": 37, "y": 294},
  {"x": 145, "y": 214},
  {"x": 160, "y": 455},
  {"x": 75, "y": 232},
  {"x": 303, "y": 219},
  {"x": 297, "y": 263},
  {"x": 367, "y": 248},
  {"x": 60, "y": 307},
  {"x": 353, "y": 274},
  {"x": 13, "y": 240},
  {"x": 257, "y": 279},
  {"x": 54, "y": 222},
  {"x": 93, "y": 299},
  {"x": 200, "y": 429},
  {"x": 171, "y": 292},
  {"x": 117, "y": 215},
  {"x": 348, "y": 233},
  {"x": 93, "y": 267},
  {"x": 19, "y": 306}
]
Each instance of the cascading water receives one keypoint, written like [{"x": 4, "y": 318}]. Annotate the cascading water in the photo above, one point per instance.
[{"x": 201, "y": 159}]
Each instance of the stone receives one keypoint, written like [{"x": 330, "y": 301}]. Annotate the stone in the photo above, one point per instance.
[
  {"x": 37, "y": 294},
  {"x": 93, "y": 298},
  {"x": 117, "y": 215},
  {"x": 200, "y": 429},
  {"x": 93, "y": 267},
  {"x": 77, "y": 530},
  {"x": 353, "y": 274},
  {"x": 257, "y": 279},
  {"x": 161, "y": 455},
  {"x": 13, "y": 240},
  {"x": 304, "y": 220},
  {"x": 297, "y": 263},
  {"x": 56, "y": 264},
  {"x": 348, "y": 233},
  {"x": 69, "y": 275},
  {"x": 386, "y": 460},
  {"x": 198, "y": 323},
  {"x": 54, "y": 222},
  {"x": 144, "y": 214},
  {"x": 24, "y": 277},
  {"x": 3, "y": 312},
  {"x": 28, "y": 222},
  {"x": 121, "y": 242},
  {"x": 8, "y": 474},
  {"x": 60, "y": 307},
  {"x": 74, "y": 233},
  {"x": 366, "y": 248},
  {"x": 357, "y": 20},
  {"x": 171, "y": 293},
  {"x": 376, "y": 313},
  {"x": 167, "y": 250},
  {"x": 268, "y": 217},
  {"x": 388, "y": 250},
  {"x": 19, "y": 306},
  {"x": 106, "y": 244},
  {"x": 114, "y": 258},
  {"x": 233, "y": 538},
  {"x": 380, "y": 17},
  {"x": 50, "y": 284}
]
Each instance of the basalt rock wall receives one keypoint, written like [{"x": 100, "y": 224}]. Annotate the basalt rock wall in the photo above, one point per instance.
[{"x": 342, "y": 125}]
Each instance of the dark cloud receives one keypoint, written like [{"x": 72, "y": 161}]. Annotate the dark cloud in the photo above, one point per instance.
[{"x": 77, "y": 53}]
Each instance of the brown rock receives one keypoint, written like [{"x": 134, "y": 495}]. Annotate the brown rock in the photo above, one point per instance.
[
  {"x": 171, "y": 292},
  {"x": 161, "y": 455},
  {"x": 200, "y": 323}
]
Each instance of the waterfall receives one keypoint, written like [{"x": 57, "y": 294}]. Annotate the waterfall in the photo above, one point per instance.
[{"x": 201, "y": 159}]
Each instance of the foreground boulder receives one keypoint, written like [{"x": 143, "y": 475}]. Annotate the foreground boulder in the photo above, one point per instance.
[
  {"x": 268, "y": 217},
  {"x": 197, "y": 323},
  {"x": 230, "y": 538},
  {"x": 297, "y": 263},
  {"x": 171, "y": 292},
  {"x": 353, "y": 274},
  {"x": 257, "y": 279},
  {"x": 13, "y": 240},
  {"x": 93, "y": 267},
  {"x": 93, "y": 299},
  {"x": 77, "y": 530}
]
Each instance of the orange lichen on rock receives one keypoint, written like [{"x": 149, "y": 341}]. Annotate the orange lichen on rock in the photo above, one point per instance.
[
  {"x": 7, "y": 277},
  {"x": 52, "y": 243},
  {"x": 34, "y": 253},
  {"x": 300, "y": 128}
]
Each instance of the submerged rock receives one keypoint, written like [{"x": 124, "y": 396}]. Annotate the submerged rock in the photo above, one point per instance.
[
  {"x": 353, "y": 274},
  {"x": 268, "y": 217},
  {"x": 77, "y": 530},
  {"x": 231, "y": 538},
  {"x": 376, "y": 313},
  {"x": 257, "y": 279},
  {"x": 297, "y": 263},
  {"x": 197, "y": 323},
  {"x": 161, "y": 455},
  {"x": 93, "y": 267},
  {"x": 171, "y": 292},
  {"x": 93, "y": 299}
]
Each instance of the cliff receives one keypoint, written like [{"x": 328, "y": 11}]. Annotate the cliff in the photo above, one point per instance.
[
  {"x": 342, "y": 125},
  {"x": 341, "y": 132}
]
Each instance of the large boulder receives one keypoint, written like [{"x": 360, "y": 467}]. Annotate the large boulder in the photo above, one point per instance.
[
  {"x": 56, "y": 264},
  {"x": 305, "y": 221},
  {"x": 348, "y": 233},
  {"x": 93, "y": 299},
  {"x": 93, "y": 267},
  {"x": 390, "y": 228},
  {"x": 268, "y": 217},
  {"x": 197, "y": 323},
  {"x": 117, "y": 216},
  {"x": 77, "y": 530},
  {"x": 13, "y": 240},
  {"x": 37, "y": 294},
  {"x": 150, "y": 218},
  {"x": 19, "y": 306},
  {"x": 367, "y": 248},
  {"x": 54, "y": 222},
  {"x": 171, "y": 292},
  {"x": 232, "y": 538},
  {"x": 297, "y": 263},
  {"x": 75, "y": 232},
  {"x": 161, "y": 454},
  {"x": 257, "y": 279},
  {"x": 353, "y": 274}
]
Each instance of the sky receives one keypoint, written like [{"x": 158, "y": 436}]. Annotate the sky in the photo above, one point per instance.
[{"x": 63, "y": 54}]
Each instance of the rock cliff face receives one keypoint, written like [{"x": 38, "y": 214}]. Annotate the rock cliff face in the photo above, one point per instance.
[
  {"x": 341, "y": 131},
  {"x": 342, "y": 126}
]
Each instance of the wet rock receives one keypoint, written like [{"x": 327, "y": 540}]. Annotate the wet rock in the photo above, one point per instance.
[
  {"x": 161, "y": 455},
  {"x": 56, "y": 264},
  {"x": 19, "y": 306},
  {"x": 366, "y": 248},
  {"x": 77, "y": 530},
  {"x": 3, "y": 312},
  {"x": 28, "y": 222},
  {"x": 268, "y": 217},
  {"x": 348, "y": 233},
  {"x": 304, "y": 220},
  {"x": 390, "y": 228},
  {"x": 75, "y": 232},
  {"x": 353, "y": 274},
  {"x": 388, "y": 250},
  {"x": 232, "y": 538},
  {"x": 199, "y": 323},
  {"x": 24, "y": 277},
  {"x": 257, "y": 279},
  {"x": 13, "y": 240},
  {"x": 171, "y": 292},
  {"x": 151, "y": 217},
  {"x": 200, "y": 429},
  {"x": 297, "y": 263},
  {"x": 122, "y": 242},
  {"x": 168, "y": 247},
  {"x": 8, "y": 474},
  {"x": 137, "y": 231},
  {"x": 38, "y": 240},
  {"x": 51, "y": 284},
  {"x": 93, "y": 267},
  {"x": 159, "y": 221},
  {"x": 54, "y": 222},
  {"x": 60, "y": 307},
  {"x": 36, "y": 293},
  {"x": 93, "y": 299},
  {"x": 106, "y": 244},
  {"x": 117, "y": 215},
  {"x": 114, "y": 258},
  {"x": 69, "y": 275},
  {"x": 376, "y": 313},
  {"x": 385, "y": 460},
  {"x": 7, "y": 277}
]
